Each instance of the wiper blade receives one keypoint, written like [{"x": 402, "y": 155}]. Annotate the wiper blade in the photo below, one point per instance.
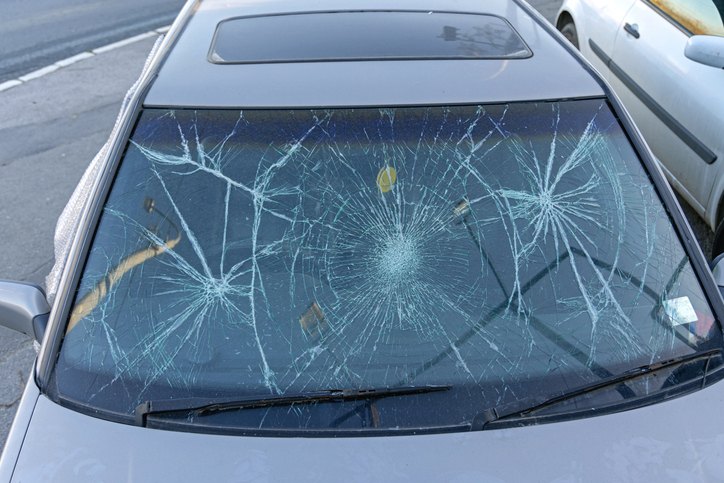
[
  {"x": 493, "y": 415},
  {"x": 202, "y": 406}
]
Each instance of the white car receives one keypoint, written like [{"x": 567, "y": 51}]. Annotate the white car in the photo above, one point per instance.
[{"x": 664, "y": 59}]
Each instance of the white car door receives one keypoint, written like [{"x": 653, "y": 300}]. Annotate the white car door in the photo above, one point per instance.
[
  {"x": 677, "y": 103},
  {"x": 599, "y": 22}
]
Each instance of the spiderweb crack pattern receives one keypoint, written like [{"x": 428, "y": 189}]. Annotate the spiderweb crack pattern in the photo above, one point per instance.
[{"x": 342, "y": 248}]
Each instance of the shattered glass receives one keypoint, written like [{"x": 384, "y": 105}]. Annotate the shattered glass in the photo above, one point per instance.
[{"x": 506, "y": 250}]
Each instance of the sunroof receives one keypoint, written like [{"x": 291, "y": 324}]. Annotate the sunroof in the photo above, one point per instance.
[{"x": 365, "y": 35}]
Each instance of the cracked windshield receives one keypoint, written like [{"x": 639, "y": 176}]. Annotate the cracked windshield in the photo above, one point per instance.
[{"x": 509, "y": 252}]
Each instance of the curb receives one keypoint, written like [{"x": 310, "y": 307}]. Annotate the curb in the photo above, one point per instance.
[{"x": 36, "y": 74}]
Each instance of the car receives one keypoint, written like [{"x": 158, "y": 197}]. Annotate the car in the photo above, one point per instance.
[
  {"x": 329, "y": 242},
  {"x": 664, "y": 59}
]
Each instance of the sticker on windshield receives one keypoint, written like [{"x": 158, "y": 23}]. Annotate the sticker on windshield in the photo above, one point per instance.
[
  {"x": 386, "y": 178},
  {"x": 680, "y": 311}
]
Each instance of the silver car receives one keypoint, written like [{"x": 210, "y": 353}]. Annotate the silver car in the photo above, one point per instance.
[{"x": 371, "y": 241}]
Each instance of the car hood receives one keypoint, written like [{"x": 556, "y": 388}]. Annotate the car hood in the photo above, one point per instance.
[{"x": 677, "y": 440}]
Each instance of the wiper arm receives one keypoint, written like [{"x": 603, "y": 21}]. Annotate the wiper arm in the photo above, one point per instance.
[
  {"x": 202, "y": 406},
  {"x": 492, "y": 415}
]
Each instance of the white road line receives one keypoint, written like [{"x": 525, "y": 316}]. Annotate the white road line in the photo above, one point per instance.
[
  {"x": 123, "y": 43},
  {"x": 74, "y": 59},
  {"x": 38, "y": 73},
  {"x": 79, "y": 57},
  {"x": 8, "y": 84}
]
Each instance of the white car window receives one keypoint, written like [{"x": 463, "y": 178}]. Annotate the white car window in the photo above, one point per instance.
[{"x": 700, "y": 17}]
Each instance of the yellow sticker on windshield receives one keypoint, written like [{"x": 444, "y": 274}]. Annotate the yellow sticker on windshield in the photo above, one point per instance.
[{"x": 386, "y": 178}]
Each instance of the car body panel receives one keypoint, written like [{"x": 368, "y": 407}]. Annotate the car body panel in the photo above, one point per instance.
[
  {"x": 687, "y": 92},
  {"x": 14, "y": 441},
  {"x": 600, "y": 14},
  {"x": 366, "y": 83},
  {"x": 682, "y": 439}
]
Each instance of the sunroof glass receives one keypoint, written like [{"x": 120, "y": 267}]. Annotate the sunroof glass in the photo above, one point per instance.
[{"x": 365, "y": 35}]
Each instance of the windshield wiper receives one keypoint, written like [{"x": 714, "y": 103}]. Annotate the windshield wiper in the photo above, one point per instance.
[
  {"x": 203, "y": 406},
  {"x": 493, "y": 415}
]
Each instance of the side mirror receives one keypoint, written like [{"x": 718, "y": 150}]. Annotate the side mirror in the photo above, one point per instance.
[
  {"x": 717, "y": 269},
  {"x": 23, "y": 307},
  {"x": 706, "y": 49}
]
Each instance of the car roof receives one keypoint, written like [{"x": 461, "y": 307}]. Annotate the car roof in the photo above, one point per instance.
[{"x": 191, "y": 76}]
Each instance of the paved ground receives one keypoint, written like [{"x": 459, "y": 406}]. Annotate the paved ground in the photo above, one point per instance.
[
  {"x": 548, "y": 8},
  {"x": 50, "y": 128},
  {"x": 38, "y": 33}
]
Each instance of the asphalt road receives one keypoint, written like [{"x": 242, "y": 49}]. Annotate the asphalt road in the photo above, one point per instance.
[
  {"x": 50, "y": 129},
  {"x": 36, "y": 33}
]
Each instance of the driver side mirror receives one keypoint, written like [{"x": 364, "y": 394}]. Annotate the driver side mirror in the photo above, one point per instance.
[{"x": 23, "y": 308}]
